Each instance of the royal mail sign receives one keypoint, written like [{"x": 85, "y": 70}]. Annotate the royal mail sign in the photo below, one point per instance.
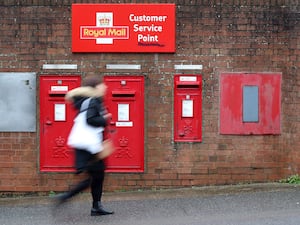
[{"x": 123, "y": 28}]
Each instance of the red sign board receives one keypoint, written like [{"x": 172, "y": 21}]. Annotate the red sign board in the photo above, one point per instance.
[{"x": 123, "y": 28}]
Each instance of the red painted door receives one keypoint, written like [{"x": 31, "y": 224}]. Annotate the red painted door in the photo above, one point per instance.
[
  {"x": 125, "y": 100},
  {"x": 56, "y": 120}
]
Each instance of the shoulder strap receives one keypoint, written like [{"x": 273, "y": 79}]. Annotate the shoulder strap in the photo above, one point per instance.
[{"x": 85, "y": 105}]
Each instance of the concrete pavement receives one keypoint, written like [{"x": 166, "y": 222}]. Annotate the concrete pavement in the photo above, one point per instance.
[{"x": 253, "y": 204}]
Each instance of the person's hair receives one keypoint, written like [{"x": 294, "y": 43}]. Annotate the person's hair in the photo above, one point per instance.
[{"x": 91, "y": 81}]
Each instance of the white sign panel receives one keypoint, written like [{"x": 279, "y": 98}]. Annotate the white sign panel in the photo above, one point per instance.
[
  {"x": 187, "y": 78},
  {"x": 60, "y": 112},
  {"x": 187, "y": 108},
  {"x": 124, "y": 124},
  {"x": 59, "y": 88},
  {"x": 123, "y": 112}
]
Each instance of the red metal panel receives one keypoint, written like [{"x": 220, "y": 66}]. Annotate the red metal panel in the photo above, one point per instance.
[
  {"x": 56, "y": 120},
  {"x": 231, "y": 121},
  {"x": 125, "y": 100},
  {"x": 187, "y": 108}
]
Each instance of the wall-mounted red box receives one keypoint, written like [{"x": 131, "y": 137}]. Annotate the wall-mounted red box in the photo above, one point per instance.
[{"x": 250, "y": 103}]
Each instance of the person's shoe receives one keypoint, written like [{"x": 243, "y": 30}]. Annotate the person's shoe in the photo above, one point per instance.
[{"x": 100, "y": 211}]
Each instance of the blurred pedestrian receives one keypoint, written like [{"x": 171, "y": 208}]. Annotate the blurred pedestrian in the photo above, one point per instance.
[{"x": 86, "y": 137}]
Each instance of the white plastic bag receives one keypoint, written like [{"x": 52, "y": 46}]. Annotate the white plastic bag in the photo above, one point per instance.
[{"x": 83, "y": 135}]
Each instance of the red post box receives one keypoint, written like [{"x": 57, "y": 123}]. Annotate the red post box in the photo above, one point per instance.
[
  {"x": 187, "y": 108},
  {"x": 125, "y": 100},
  {"x": 56, "y": 120}
]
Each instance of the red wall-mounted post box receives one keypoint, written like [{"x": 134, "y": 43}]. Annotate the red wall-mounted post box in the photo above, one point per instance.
[
  {"x": 125, "y": 100},
  {"x": 187, "y": 108},
  {"x": 56, "y": 120}
]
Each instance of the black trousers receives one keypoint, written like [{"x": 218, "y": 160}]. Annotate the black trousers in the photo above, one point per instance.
[{"x": 86, "y": 162}]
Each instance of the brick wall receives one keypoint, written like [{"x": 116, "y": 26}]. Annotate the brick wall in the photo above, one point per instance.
[{"x": 230, "y": 35}]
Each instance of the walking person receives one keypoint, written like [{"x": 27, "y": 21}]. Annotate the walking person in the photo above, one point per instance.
[{"x": 89, "y": 154}]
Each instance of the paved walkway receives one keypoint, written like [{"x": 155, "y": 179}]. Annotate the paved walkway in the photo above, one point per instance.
[{"x": 255, "y": 204}]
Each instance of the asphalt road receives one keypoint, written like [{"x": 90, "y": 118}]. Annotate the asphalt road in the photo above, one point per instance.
[{"x": 256, "y": 204}]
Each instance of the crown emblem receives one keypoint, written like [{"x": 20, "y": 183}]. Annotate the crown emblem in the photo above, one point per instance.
[
  {"x": 104, "y": 21},
  {"x": 60, "y": 141},
  {"x": 123, "y": 142}
]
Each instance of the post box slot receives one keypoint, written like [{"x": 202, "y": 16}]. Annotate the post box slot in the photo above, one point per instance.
[
  {"x": 187, "y": 84},
  {"x": 123, "y": 94},
  {"x": 57, "y": 93}
]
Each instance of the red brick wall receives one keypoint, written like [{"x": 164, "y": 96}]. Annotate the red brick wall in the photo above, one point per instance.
[{"x": 230, "y": 35}]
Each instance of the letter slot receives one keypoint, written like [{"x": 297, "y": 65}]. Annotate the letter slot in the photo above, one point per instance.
[{"x": 123, "y": 94}]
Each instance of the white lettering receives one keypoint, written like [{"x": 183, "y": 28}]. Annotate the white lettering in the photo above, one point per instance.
[
  {"x": 147, "y": 38},
  {"x": 151, "y": 28},
  {"x": 145, "y": 18}
]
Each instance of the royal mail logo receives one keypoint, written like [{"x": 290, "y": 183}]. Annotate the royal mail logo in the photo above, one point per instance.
[{"x": 104, "y": 32}]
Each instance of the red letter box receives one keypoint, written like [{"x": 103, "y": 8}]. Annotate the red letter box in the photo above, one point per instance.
[
  {"x": 125, "y": 100},
  {"x": 56, "y": 120},
  {"x": 187, "y": 108}
]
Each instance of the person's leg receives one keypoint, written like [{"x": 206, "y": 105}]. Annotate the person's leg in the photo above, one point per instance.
[
  {"x": 97, "y": 179},
  {"x": 96, "y": 191},
  {"x": 82, "y": 159},
  {"x": 74, "y": 191}
]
